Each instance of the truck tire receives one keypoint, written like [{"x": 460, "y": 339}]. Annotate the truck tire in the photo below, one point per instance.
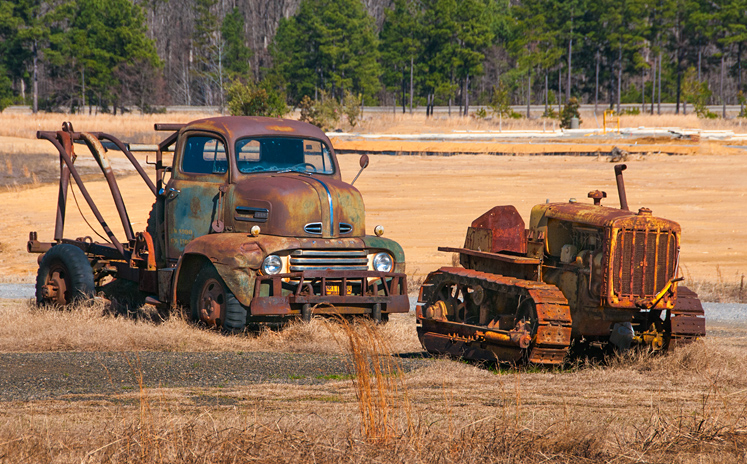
[
  {"x": 64, "y": 277},
  {"x": 213, "y": 303}
]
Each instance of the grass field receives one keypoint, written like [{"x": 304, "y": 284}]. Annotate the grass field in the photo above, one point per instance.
[{"x": 686, "y": 407}]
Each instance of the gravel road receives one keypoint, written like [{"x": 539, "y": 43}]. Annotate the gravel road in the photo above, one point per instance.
[{"x": 81, "y": 375}]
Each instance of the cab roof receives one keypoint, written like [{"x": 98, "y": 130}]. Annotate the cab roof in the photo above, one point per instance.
[{"x": 236, "y": 127}]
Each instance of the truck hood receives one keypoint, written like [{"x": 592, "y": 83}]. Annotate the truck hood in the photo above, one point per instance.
[{"x": 297, "y": 205}]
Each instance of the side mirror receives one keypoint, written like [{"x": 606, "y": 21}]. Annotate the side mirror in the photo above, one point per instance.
[{"x": 364, "y": 165}]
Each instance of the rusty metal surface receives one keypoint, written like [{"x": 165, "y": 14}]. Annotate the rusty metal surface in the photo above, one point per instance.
[
  {"x": 65, "y": 155},
  {"x": 621, "y": 186},
  {"x": 292, "y": 201},
  {"x": 614, "y": 268},
  {"x": 138, "y": 167},
  {"x": 209, "y": 219},
  {"x": 643, "y": 255},
  {"x": 550, "y": 339},
  {"x": 687, "y": 317},
  {"x": 504, "y": 228},
  {"x": 235, "y": 127},
  {"x": 99, "y": 154},
  {"x": 237, "y": 256},
  {"x": 333, "y": 292},
  {"x": 521, "y": 260},
  {"x": 589, "y": 214}
]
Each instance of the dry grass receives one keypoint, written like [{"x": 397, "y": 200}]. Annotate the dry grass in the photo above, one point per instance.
[
  {"x": 688, "y": 407},
  {"x": 418, "y": 123},
  {"x": 721, "y": 290},
  {"x": 131, "y": 127},
  {"x": 139, "y": 128},
  {"x": 93, "y": 327}
]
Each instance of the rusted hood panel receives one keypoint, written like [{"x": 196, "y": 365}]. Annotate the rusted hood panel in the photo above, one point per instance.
[
  {"x": 294, "y": 200},
  {"x": 597, "y": 216}
]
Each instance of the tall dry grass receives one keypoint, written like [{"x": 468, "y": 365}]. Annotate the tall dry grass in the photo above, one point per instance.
[
  {"x": 377, "y": 381},
  {"x": 724, "y": 289},
  {"x": 95, "y": 327},
  {"x": 685, "y": 408}
]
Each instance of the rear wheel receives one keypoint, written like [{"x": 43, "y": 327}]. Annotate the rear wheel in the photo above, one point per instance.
[
  {"x": 213, "y": 303},
  {"x": 64, "y": 277}
]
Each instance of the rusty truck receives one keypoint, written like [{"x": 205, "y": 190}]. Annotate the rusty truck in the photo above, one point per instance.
[
  {"x": 251, "y": 223},
  {"x": 582, "y": 274}
]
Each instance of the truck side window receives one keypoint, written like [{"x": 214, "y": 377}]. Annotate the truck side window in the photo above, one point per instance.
[{"x": 204, "y": 155}]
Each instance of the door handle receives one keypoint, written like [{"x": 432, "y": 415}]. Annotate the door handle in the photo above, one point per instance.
[{"x": 173, "y": 192}]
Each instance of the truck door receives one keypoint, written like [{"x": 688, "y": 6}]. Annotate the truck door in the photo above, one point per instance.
[{"x": 193, "y": 197}]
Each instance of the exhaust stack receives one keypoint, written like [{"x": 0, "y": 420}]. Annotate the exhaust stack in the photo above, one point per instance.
[{"x": 619, "y": 168}]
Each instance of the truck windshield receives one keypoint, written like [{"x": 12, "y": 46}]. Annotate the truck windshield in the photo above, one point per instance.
[{"x": 283, "y": 154}]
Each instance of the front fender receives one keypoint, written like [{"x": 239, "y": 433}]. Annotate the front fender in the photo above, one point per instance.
[
  {"x": 235, "y": 256},
  {"x": 374, "y": 242}
]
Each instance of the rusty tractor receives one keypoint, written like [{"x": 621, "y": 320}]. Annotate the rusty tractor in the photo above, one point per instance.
[
  {"x": 251, "y": 223},
  {"x": 582, "y": 274}
]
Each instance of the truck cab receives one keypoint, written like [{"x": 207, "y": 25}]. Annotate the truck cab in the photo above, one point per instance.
[{"x": 256, "y": 223}]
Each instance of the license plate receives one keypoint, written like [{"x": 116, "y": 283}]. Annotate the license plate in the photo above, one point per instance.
[{"x": 335, "y": 289}]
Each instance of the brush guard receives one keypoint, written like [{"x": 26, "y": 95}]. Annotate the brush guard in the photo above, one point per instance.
[{"x": 330, "y": 292}]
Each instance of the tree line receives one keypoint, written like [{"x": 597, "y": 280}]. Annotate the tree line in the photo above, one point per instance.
[{"x": 112, "y": 55}]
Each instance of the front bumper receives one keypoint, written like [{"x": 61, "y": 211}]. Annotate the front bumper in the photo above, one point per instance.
[{"x": 330, "y": 292}]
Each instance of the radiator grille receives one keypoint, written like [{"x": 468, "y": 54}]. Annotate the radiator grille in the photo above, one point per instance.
[
  {"x": 318, "y": 260},
  {"x": 643, "y": 262}
]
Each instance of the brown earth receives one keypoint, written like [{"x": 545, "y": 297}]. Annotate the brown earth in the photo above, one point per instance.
[{"x": 428, "y": 201}]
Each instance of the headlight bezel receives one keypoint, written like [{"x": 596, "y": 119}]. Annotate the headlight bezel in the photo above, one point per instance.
[
  {"x": 272, "y": 260},
  {"x": 383, "y": 259}
]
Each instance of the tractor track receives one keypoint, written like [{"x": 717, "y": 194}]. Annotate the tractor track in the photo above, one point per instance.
[{"x": 552, "y": 336}]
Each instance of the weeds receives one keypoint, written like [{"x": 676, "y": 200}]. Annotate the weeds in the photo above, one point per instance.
[
  {"x": 377, "y": 379},
  {"x": 722, "y": 290}
]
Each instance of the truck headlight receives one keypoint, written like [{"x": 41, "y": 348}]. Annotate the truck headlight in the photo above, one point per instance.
[
  {"x": 272, "y": 265},
  {"x": 382, "y": 262}
]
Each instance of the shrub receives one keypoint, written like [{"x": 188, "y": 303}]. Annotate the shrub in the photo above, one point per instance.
[
  {"x": 255, "y": 100},
  {"x": 570, "y": 110},
  {"x": 501, "y": 102}
]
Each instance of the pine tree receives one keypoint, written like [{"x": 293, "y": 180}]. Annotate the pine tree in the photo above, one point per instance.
[{"x": 329, "y": 45}]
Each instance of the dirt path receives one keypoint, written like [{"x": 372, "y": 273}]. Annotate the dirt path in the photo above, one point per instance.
[
  {"x": 426, "y": 202},
  {"x": 83, "y": 375}
]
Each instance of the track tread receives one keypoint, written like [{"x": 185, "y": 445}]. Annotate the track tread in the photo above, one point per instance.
[
  {"x": 688, "y": 316},
  {"x": 553, "y": 337}
]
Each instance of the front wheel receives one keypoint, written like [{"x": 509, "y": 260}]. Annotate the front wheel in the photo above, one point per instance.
[
  {"x": 213, "y": 303},
  {"x": 64, "y": 277}
]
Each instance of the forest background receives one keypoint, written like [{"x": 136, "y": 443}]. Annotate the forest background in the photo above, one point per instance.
[{"x": 118, "y": 55}]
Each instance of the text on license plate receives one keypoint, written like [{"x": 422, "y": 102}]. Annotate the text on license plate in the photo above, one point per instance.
[{"x": 335, "y": 289}]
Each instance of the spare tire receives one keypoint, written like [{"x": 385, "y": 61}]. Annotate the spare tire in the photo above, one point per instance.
[{"x": 64, "y": 277}]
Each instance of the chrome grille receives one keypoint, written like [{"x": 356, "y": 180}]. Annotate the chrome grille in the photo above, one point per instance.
[
  {"x": 318, "y": 260},
  {"x": 345, "y": 228},
  {"x": 314, "y": 228},
  {"x": 644, "y": 261}
]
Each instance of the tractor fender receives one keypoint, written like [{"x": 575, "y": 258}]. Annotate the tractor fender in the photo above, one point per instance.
[{"x": 236, "y": 257}]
